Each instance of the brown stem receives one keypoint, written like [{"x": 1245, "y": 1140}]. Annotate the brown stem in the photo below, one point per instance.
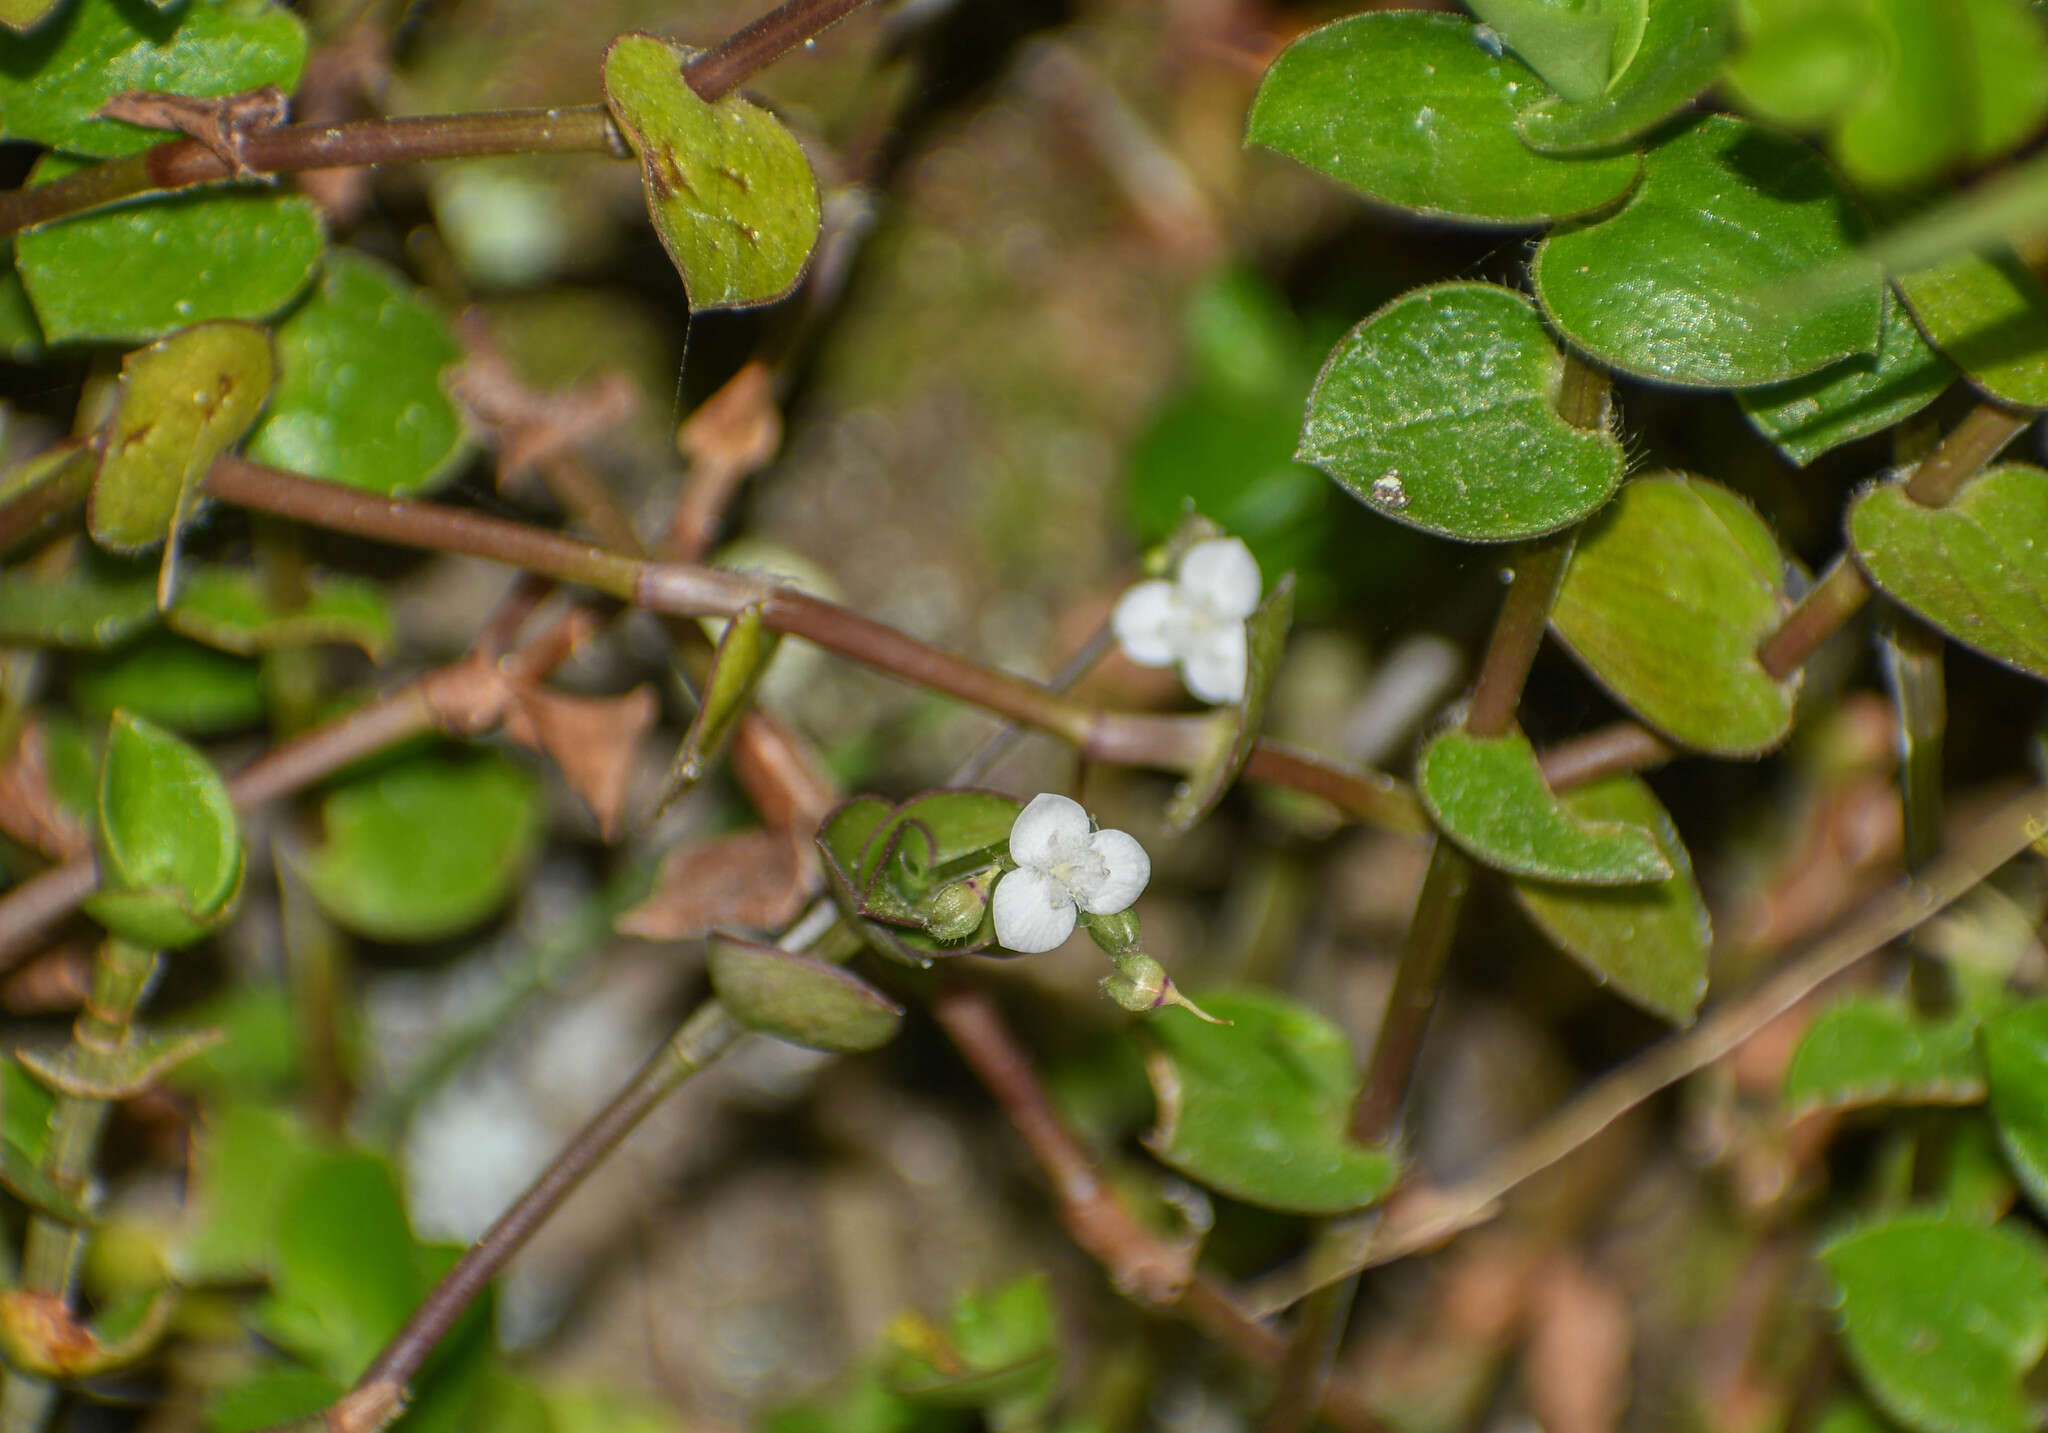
[
  {"x": 1413, "y": 998},
  {"x": 1138, "y": 1261},
  {"x": 182, "y": 163},
  {"x": 1517, "y": 633},
  {"x": 703, "y": 1037},
  {"x": 1619, "y": 747},
  {"x": 723, "y": 67},
  {"x": 1971, "y": 444},
  {"x": 686, "y": 589},
  {"x": 1822, "y": 612},
  {"x": 575, "y": 129}
]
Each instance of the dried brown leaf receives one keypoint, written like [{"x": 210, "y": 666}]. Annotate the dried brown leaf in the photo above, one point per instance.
[
  {"x": 29, "y": 809},
  {"x": 223, "y": 123},
  {"x": 755, "y": 879},
  {"x": 734, "y": 432},
  {"x": 592, "y": 739},
  {"x": 781, "y": 774},
  {"x": 527, "y": 427}
]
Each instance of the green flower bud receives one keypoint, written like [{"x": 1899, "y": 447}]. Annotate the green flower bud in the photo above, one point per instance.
[
  {"x": 1116, "y": 934},
  {"x": 1141, "y": 985},
  {"x": 955, "y": 910}
]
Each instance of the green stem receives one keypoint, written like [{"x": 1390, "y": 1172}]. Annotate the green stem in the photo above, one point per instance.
[{"x": 121, "y": 980}]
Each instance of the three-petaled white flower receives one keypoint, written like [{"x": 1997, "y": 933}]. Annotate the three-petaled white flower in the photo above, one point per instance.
[
  {"x": 1196, "y": 621},
  {"x": 1063, "y": 868}
]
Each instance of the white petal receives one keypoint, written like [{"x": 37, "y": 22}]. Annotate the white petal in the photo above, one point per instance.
[
  {"x": 1032, "y": 911},
  {"x": 1214, "y": 667},
  {"x": 1223, "y": 576},
  {"x": 1127, "y": 868},
  {"x": 1148, "y": 620},
  {"x": 1050, "y": 822}
]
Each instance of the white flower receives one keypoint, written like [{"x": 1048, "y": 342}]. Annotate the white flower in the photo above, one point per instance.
[
  {"x": 1196, "y": 621},
  {"x": 1062, "y": 868}
]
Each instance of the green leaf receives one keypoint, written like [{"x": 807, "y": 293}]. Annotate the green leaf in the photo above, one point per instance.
[
  {"x": 1974, "y": 568},
  {"x": 359, "y": 398},
  {"x": 425, "y": 847},
  {"x": 1650, "y": 941},
  {"x": 1488, "y": 795},
  {"x": 94, "y": 605},
  {"x": 246, "y": 1158},
  {"x": 1854, "y": 398},
  {"x": 272, "y": 1397},
  {"x": 1573, "y": 45},
  {"x": 1989, "y": 314},
  {"x": 1955, "y": 85},
  {"x": 1440, "y": 411},
  {"x": 1257, "y": 1109},
  {"x": 996, "y": 1349},
  {"x": 2015, "y": 1047},
  {"x": 1668, "y": 593},
  {"x": 800, "y": 999},
  {"x": 174, "y": 683},
  {"x": 57, "y": 477},
  {"x": 170, "y": 849},
  {"x": 346, "y": 1271},
  {"x": 1871, "y": 1050},
  {"x": 1802, "y": 61},
  {"x": 745, "y": 649},
  {"x": 1942, "y": 1319},
  {"x": 1235, "y": 730},
  {"x": 149, "y": 267},
  {"x": 54, "y": 79},
  {"x": 1412, "y": 110},
  {"x": 729, "y": 189},
  {"x": 1686, "y": 284},
  {"x": 185, "y": 400},
  {"x": 1680, "y": 53},
  {"x": 21, "y": 337},
  {"x": 230, "y": 610}
]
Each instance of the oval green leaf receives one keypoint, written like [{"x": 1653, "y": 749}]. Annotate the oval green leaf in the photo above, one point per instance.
[
  {"x": 1488, "y": 795},
  {"x": 1257, "y": 1109},
  {"x": 1665, "y": 600},
  {"x": 230, "y": 610},
  {"x": 170, "y": 847},
  {"x": 1854, "y": 398},
  {"x": 175, "y": 683},
  {"x": 185, "y": 400},
  {"x": 147, "y": 268},
  {"x": 1870, "y": 1050},
  {"x": 1412, "y": 110},
  {"x": 1989, "y": 314},
  {"x": 799, "y": 998},
  {"x": 359, "y": 399},
  {"x": 346, "y": 1269},
  {"x": 54, "y": 79},
  {"x": 95, "y": 605},
  {"x": 2015, "y": 1048},
  {"x": 729, "y": 189},
  {"x": 426, "y": 847},
  {"x": 1439, "y": 411},
  {"x": 1942, "y": 1318},
  {"x": 1648, "y": 942},
  {"x": 1235, "y": 730},
  {"x": 1977, "y": 568},
  {"x": 1686, "y": 284},
  {"x": 1682, "y": 45}
]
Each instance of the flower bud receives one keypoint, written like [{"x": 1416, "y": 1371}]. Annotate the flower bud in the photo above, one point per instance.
[
  {"x": 1141, "y": 985},
  {"x": 1116, "y": 934},
  {"x": 954, "y": 911}
]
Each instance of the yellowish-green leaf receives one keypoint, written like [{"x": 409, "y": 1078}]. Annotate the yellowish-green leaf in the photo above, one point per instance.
[
  {"x": 729, "y": 189},
  {"x": 1488, "y": 795},
  {"x": 800, "y": 998},
  {"x": 1667, "y": 596},
  {"x": 1977, "y": 568}
]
